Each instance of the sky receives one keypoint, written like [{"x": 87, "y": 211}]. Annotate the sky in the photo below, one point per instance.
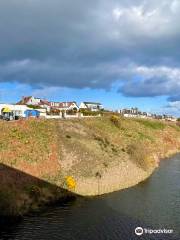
[{"x": 122, "y": 53}]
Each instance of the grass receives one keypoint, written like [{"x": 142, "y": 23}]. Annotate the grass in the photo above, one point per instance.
[
  {"x": 176, "y": 127},
  {"x": 50, "y": 150},
  {"x": 140, "y": 154},
  {"x": 151, "y": 124},
  {"x": 29, "y": 141},
  {"x": 143, "y": 136}
]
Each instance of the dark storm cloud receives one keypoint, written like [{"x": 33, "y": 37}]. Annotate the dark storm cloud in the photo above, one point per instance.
[
  {"x": 174, "y": 98},
  {"x": 92, "y": 44}
]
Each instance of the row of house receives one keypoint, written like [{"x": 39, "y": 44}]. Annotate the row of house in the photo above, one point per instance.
[
  {"x": 133, "y": 112},
  {"x": 37, "y": 107},
  {"x": 136, "y": 113},
  {"x": 49, "y": 105}
]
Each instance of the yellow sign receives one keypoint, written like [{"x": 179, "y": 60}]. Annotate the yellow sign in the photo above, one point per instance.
[{"x": 70, "y": 182}]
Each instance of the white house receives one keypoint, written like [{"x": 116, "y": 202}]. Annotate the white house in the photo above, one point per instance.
[
  {"x": 30, "y": 101},
  {"x": 169, "y": 118},
  {"x": 18, "y": 110},
  {"x": 48, "y": 105},
  {"x": 68, "y": 106},
  {"x": 42, "y": 103},
  {"x": 42, "y": 112},
  {"x": 92, "y": 106}
]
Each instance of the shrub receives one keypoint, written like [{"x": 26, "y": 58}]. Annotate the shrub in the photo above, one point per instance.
[
  {"x": 115, "y": 120},
  {"x": 54, "y": 111},
  {"x": 71, "y": 111},
  {"x": 34, "y": 106},
  {"x": 70, "y": 182},
  {"x": 89, "y": 113}
]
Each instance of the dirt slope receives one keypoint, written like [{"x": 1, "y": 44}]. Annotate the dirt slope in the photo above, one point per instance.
[{"x": 100, "y": 154}]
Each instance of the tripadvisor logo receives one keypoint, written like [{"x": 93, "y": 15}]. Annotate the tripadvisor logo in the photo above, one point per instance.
[{"x": 139, "y": 231}]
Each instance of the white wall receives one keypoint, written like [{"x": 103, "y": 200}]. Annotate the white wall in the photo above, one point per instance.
[
  {"x": 13, "y": 107},
  {"x": 53, "y": 117},
  {"x": 33, "y": 101}
]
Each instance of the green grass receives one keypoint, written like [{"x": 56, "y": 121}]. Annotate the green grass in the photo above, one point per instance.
[
  {"x": 156, "y": 125},
  {"x": 143, "y": 136}
]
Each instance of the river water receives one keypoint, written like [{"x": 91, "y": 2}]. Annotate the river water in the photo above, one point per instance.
[{"x": 154, "y": 204}]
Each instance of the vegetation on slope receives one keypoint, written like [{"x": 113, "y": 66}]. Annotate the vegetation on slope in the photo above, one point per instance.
[
  {"x": 28, "y": 155},
  {"x": 36, "y": 156}
]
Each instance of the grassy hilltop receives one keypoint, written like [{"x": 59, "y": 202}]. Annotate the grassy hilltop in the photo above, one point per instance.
[{"x": 101, "y": 154}]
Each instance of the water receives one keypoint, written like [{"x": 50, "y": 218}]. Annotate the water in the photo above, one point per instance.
[{"x": 153, "y": 204}]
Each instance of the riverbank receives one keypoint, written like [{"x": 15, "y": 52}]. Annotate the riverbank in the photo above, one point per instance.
[
  {"x": 120, "y": 152},
  {"x": 153, "y": 205},
  {"x": 101, "y": 155}
]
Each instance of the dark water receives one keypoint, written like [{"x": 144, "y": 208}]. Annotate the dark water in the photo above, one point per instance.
[{"x": 153, "y": 204}]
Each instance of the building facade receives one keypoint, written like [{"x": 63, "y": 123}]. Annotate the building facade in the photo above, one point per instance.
[{"x": 92, "y": 106}]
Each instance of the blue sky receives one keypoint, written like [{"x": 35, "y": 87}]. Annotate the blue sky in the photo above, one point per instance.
[
  {"x": 12, "y": 92},
  {"x": 122, "y": 53}
]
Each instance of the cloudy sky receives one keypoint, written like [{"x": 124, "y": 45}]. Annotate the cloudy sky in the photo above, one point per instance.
[{"x": 123, "y": 53}]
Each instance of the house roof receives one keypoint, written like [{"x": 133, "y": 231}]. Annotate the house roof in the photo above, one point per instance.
[
  {"x": 44, "y": 102},
  {"x": 96, "y": 103},
  {"x": 24, "y": 100},
  {"x": 64, "y": 105}
]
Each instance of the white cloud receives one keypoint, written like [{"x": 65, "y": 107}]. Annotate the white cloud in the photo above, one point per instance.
[
  {"x": 147, "y": 20},
  {"x": 175, "y": 6},
  {"x": 174, "y": 105}
]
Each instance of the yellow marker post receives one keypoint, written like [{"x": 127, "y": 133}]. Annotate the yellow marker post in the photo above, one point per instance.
[{"x": 70, "y": 182}]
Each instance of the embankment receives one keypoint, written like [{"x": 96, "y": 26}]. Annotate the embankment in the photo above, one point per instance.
[{"x": 100, "y": 154}]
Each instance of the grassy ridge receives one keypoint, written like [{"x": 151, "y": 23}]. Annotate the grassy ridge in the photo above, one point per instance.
[{"x": 37, "y": 155}]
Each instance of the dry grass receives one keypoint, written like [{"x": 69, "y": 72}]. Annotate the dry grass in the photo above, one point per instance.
[{"x": 140, "y": 154}]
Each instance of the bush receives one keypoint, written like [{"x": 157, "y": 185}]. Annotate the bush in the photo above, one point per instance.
[
  {"x": 115, "y": 120},
  {"x": 34, "y": 106},
  {"x": 55, "y": 111},
  {"x": 89, "y": 113},
  {"x": 71, "y": 112}
]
